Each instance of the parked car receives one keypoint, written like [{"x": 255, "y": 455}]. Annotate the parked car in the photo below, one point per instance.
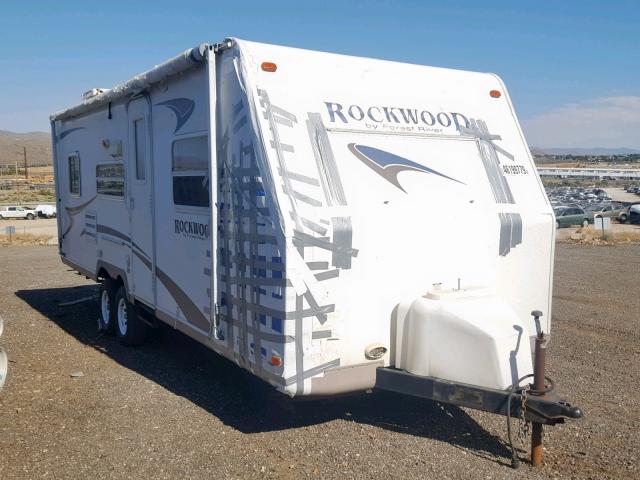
[
  {"x": 604, "y": 211},
  {"x": 46, "y": 211},
  {"x": 566, "y": 217},
  {"x": 18, "y": 212},
  {"x": 634, "y": 213},
  {"x": 625, "y": 214}
]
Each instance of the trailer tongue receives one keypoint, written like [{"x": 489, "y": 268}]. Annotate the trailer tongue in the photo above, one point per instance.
[{"x": 536, "y": 402}]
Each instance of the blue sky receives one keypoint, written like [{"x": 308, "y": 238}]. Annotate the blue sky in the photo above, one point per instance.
[{"x": 572, "y": 67}]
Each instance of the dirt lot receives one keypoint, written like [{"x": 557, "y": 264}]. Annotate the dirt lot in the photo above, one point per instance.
[
  {"x": 40, "y": 226},
  {"x": 173, "y": 409},
  {"x": 23, "y": 196},
  {"x": 48, "y": 226},
  {"x": 620, "y": 195},
  {"x": 563, "y": 234}
]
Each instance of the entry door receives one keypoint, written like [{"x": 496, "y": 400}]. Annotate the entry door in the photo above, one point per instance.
[{"x": 140, "y": 201}]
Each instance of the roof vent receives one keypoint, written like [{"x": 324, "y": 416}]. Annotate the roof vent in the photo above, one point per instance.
[{"x": 94, "y": 92}]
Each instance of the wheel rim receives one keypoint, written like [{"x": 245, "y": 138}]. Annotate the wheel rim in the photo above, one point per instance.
[
  {"x": 122, "y": 316},
  {"x": 105, "y": 307}
]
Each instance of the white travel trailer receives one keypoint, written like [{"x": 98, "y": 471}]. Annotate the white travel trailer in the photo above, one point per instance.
[{"x": 322, "y": 220}]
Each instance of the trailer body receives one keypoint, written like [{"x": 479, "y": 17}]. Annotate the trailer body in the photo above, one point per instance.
[{"x": 314, "y": 216}]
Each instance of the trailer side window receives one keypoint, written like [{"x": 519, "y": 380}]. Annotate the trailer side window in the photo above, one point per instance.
[
  {"x": 190, "y": 171},
  {"x": 74, "y": 174},
  {"x": 139, "y": 134},
  {"x": 110, "y": 179}
]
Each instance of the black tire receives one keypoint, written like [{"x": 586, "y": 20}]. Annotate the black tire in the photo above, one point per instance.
[
  {"x": 30, "y": 216},
  {"x": 557, "y": 224},
  {"x": 130, "y": 329},
  {"x": 107, "y": 313},
  {"x": 622, "y": 219},
  {"x": 585, "y": 223}
]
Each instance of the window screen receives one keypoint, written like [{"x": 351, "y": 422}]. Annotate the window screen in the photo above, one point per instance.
[
  {"x": 110, "y": 179},
  {"x": 74, "y": 174},
  {"x": 190, "y": 170},
  {"x": 139, "y": 134}
]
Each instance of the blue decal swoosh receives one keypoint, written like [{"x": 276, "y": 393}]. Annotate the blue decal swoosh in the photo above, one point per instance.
[
  {"x": 67, "y": 132},
  {"x": 182, "y": 108},
  {"x": 388, "y": 165}
]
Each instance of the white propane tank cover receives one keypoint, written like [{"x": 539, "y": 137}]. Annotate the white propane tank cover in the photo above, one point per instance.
[
  {"x": 438, "y": 293},
  {"x": 468, "y": 336}
]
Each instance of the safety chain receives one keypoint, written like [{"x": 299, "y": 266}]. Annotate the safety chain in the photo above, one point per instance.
[{"x": 524, "y": 424}]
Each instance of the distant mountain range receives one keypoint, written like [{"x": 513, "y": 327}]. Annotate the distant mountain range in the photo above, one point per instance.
[
  {"x": 584, "y": 151},
  {"x": 38, "y": 145}
]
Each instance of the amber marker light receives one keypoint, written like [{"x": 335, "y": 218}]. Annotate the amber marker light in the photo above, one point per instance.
[
  {"x": 276, "y": 361},
  {"x": 493, "y": 93},
  {"x": 269, "y": 66}
]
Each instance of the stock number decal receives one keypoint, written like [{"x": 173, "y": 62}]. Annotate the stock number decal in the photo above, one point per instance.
[{"x": 514, "y": 169}]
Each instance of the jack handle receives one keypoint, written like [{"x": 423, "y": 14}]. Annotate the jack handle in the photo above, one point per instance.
[{"x": 536, "y": 318}]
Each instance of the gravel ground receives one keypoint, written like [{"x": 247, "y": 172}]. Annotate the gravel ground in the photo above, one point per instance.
[{"x": 173, "y": 409}]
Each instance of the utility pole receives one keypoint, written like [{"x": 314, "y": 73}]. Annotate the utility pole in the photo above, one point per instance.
[{"x": 26, "y": 171}]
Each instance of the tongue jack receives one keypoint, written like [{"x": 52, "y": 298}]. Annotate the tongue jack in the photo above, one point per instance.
[{"x": 538, "y": 386}]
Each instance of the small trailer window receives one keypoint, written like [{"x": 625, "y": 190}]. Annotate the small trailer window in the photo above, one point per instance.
[
  {"x": 138, "y": 129},
  {"x": 74, "y": 174},
  {"x": 190, "y": 170},
  {"x": 110, "y": 179}
]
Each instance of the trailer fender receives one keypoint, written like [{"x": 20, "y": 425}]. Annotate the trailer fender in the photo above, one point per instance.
[{"x": 115, "y": 273}]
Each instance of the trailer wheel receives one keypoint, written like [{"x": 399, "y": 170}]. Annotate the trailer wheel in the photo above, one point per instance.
[
  {"x": 107, "y": 297},
  {"x": 130, "y": 329}
]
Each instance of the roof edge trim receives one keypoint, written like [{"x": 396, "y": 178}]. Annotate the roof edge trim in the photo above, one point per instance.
[{"x": 180, "y": 63}]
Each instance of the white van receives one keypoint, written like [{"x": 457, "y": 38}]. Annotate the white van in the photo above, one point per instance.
[{"x": 46, "y": 211}]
